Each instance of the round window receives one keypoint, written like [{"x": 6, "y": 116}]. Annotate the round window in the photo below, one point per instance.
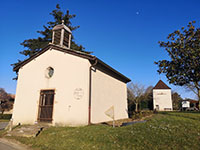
[{"x": 49, "y": 72}]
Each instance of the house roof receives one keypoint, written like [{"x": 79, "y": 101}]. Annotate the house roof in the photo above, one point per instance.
[
  {"x": 194, "y": 101},
  {"x": 100, "y": 64},
  {"x": 161, "y": 85},
  {"x": 61, "y": 26},
  {"x": 191, "y": 100}
]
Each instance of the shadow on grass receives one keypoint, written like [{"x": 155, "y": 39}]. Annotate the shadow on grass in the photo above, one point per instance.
[
  {"x": 187, "y": 115},
  {"x": 181, "y": 112}
]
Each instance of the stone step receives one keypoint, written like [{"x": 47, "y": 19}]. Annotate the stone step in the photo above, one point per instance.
[
  {"x": 28, "y": 130},
  {"x": 3, "y": 125}
]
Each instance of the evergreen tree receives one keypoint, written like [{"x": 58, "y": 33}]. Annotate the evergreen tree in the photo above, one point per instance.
[
  {"x": 149, "y": 97},
  {"x": 176, "y": 101},
  {"x": 33, "y": 46}
]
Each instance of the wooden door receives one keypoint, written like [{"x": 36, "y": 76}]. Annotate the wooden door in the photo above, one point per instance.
[{"x": 46, "y": 106}]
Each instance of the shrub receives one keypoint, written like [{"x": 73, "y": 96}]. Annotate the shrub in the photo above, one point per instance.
[
  {"x": 5, "y": 116},
  {"x": 140, "y": 114}
]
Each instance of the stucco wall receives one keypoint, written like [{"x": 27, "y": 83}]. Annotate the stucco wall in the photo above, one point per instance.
[
  {"x": 162, "y": 98},
  {"x": 185, "y": 104},
  {"x": 70, "y": 72},
  {"x": 106, "y": 92}
]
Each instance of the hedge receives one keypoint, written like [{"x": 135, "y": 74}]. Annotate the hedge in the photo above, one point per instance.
[{"x": 5, "y": 116}]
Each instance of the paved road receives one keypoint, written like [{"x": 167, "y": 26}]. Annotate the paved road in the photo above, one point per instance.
[
  {"x": 5, "y": 146},
  {"x": 10, "y": 145}
]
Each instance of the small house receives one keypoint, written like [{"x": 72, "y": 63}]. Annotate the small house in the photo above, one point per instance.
[
  {"x": 190, "y": 104},
  {"x": 162, "y": 98},
  {"x": 185, "y": 104}
]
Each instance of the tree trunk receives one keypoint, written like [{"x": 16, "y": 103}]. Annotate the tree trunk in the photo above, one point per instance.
[
  {"x": 199, "y": 98},
  {"x": 136, "y": 107}
]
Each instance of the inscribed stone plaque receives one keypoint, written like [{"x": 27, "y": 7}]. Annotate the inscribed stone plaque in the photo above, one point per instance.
[{"x": 78, "y": 93}]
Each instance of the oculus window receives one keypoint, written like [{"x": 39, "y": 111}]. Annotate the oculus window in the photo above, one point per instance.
[{"x": 49, "y": 72}]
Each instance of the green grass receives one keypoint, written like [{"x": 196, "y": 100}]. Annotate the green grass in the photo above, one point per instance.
[
  {"x": 2, "y": 133},
  {"x": 4, "y": 120},
  {"x": 165, "y": 131}
]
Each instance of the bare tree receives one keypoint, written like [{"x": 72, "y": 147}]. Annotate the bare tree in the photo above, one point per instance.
[{"x": 136, "y": 93}]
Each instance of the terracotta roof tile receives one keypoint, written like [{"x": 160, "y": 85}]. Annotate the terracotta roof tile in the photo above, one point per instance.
[{"x": 161, "y": 85}]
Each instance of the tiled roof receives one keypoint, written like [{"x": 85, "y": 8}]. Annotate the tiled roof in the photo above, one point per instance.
[{"x": 161, "y": 85}]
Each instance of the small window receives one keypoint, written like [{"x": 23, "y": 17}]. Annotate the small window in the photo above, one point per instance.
[
  {"x": 49, "y": 72},
  {"x": 157, "y": 107},
  {"x": 167, "y": 109}
]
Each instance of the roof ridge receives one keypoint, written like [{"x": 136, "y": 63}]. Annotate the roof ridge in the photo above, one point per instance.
[
  {"x": 91, "y": 58},
  {"x": 81, "y": 52}
]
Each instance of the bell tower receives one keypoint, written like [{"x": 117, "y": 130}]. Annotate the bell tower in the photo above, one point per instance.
[{"x": 62, "y": 35}]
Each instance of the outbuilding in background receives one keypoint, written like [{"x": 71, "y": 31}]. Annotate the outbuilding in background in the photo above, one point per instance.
[{"x": 162, "y": 97}]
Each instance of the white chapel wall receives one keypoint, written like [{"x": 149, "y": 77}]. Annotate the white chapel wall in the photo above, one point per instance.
[
  {"x": 70, "y": 74},
  {"x": 106, "y": 92}
]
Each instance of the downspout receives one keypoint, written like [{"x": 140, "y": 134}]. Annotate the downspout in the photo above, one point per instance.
[{"x": 90, "y": 90}]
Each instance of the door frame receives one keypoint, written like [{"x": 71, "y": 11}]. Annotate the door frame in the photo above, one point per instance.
[{"x": 39, "y": 106}]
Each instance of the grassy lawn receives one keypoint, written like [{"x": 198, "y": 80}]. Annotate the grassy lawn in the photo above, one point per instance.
[
  {"x": 171, "y": 130},
  {"x": 4, "y": 120}
]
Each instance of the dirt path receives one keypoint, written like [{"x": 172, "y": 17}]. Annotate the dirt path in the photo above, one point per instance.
[{"x": 10, "y": 145}]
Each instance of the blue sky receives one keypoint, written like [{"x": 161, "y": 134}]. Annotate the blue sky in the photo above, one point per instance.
[{"x": 123, "y": 33}]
